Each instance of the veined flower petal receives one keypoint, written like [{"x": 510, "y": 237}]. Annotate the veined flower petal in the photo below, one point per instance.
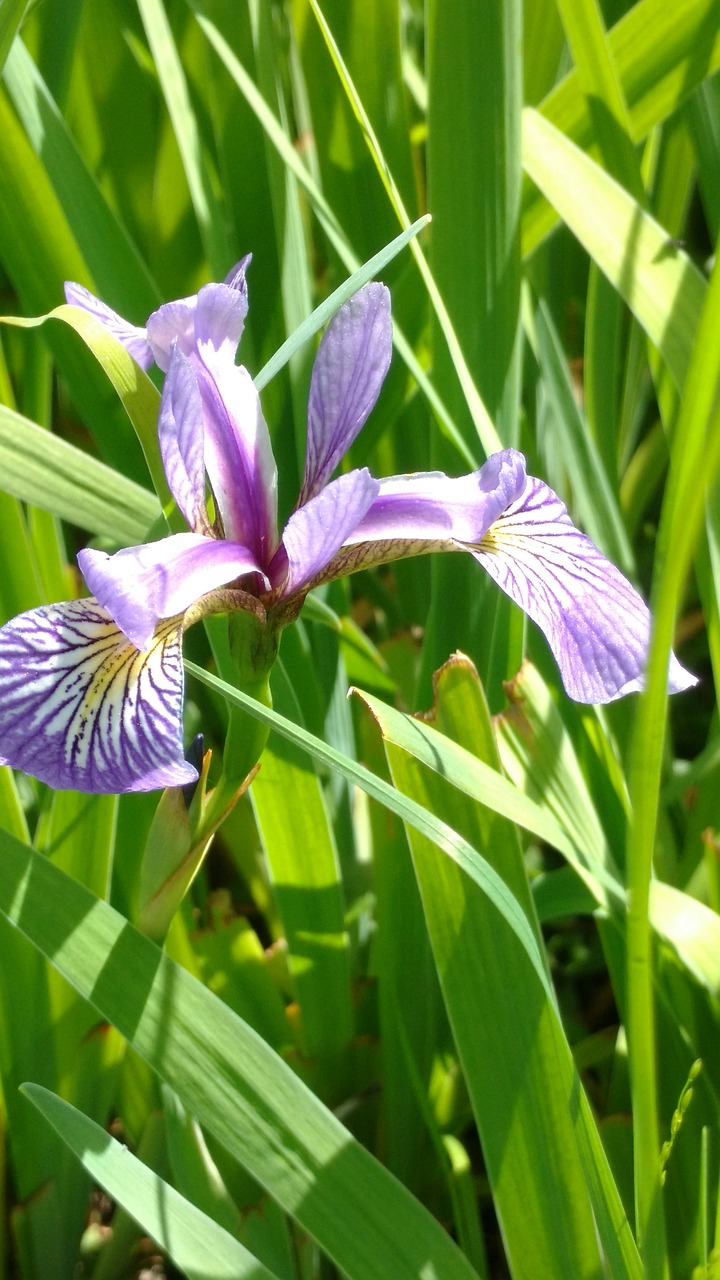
[
  {"x": 220, "y": 316},
  {"x": 595, "y": 622},
  {"x": 349, "y": 370},
  {"x": 133, "y": 338},
  {"x": 238, "y": 454},
  {"x": 181, "y": 438},
  {"x": 432, "y": 506},
  {"x": 141, "y": 585},
  {"x": 81, "y": 708},
  {"x": 172, "y": 324},
  {"x": 213, "y": 318},
  {"x": 316, "y": 531}
]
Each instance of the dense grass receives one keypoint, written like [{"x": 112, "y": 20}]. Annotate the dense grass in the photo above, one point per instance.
[{"x": 432, "y": 1006}]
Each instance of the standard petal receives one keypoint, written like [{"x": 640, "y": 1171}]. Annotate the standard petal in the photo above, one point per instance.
[
  {"x": 81, "y": 708},
  {"x": 433, "y": 506},
  {"x": 595, "y": 622},
  {"x": 220, "y": 316},
  {"x": 181, "y": 437},
  {"x": 172, "y": 323},
  {"x": 350, "y": 367},
  {"x": 141, "y": 585},
  {"x": 238, "y": 454},
  {"x": 315, "y": 532},
  {"x": 133, "y": 338}
]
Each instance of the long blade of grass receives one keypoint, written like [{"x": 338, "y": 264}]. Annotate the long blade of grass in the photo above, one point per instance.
[
  {"x": 231, "y": 1080},
  {"x": 695, "y": 461},
  {"x": 660, "y": 55},
  {"x": 657, "y": 280},
  {"x": 325, "y": 215},
  {"x": 478, "y": 411},
  {"x": 46, "y": 470},
  {"x": 197, "y": 1245},
  {"x": 208, "y": 210}
]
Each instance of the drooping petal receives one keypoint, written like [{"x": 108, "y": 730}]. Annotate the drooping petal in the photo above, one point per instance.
[
  {"x": 133, "y": 338},
  {"x": 349, "y": 370},
  {"x": 595, "y": 622},
  {"x": 81, "y": 708},
  {"x": 238, "y": 454},
  {"x": 141, "y": 585},
  {"x": 316, "y": 531},
  {"x": 430, "y": 505},
  {"x": 181, "y": 437}
]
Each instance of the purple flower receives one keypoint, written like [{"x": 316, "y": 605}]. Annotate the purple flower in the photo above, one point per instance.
[{"x": 92, "y": 690}]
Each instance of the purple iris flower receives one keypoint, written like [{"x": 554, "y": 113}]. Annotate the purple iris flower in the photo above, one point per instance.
[{"x": 91, "y": 691}]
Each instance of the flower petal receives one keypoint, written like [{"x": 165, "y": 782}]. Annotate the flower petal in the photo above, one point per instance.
[
  {"x": 595, "y": 622},
  {"x": 81, "y": 708},
  {"x": 140, "y": 585},
  {"x": 349, "y": 370},
  {"x": 133, "y": 338},
  {"x": 430, "y": 505},
  {"x": 173, "y": 322},
  {"x": 238, "y": 454},
  {"x": 213, "y": 318},
  {"x": 316, "y": 531},
  {"x": 181, "y": 437}
]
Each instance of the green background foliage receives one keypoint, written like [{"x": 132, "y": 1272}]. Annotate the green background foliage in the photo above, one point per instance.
[{"x": 430, "y": 1006}]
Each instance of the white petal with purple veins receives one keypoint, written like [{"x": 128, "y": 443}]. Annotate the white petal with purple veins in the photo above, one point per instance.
[
  {"x": 141, "y": 585},
  {"x": 433, "y": 506},
  {"x": 315, "y": 532},
  {"x": 595, "y": 622},
  {"x": 81, "y": 708},
  {"x": 349, "y": 370},
  {"x": 133, "y": 338}
]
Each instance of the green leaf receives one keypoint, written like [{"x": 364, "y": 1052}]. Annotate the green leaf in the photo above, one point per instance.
[
  {"x": 228, "y": 1078},
  {"x": 46, "y": 470},
  {"x": 512, "y": 1049},
  {"x": 660, "y": 55},
  {"x": 139, "y": 396},
  {"x": 294, "y": 826},
  {"x": 656, "y": 279},
  {"x": 196, "y": 1244}
]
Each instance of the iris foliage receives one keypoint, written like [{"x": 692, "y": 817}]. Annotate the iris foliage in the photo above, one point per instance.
[{"x": 423, "y": 997}]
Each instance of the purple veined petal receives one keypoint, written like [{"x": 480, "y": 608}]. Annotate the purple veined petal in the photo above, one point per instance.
[
  {"x": 82, "y": 708},
  {"x": 238, "y": 455},
  {"x": 139, "y": 586},
  {"x": 316, "y": 531},
  {"x": 349, "y": 370},
  {"x": 133, "y": 338},
  {"x": 181, "y": 438},
  {"x": 595, "y": 622},
  {"x": 172, "y": 323},
  {"x": 432, "y": 506}
]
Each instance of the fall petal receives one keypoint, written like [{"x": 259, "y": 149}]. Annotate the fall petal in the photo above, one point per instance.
[
  {"x": 82, "y": 708},
  {"x": 596, "y": 624}
]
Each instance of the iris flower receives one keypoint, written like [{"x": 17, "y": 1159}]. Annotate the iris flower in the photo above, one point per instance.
[{"x": 91, "y": 690}]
